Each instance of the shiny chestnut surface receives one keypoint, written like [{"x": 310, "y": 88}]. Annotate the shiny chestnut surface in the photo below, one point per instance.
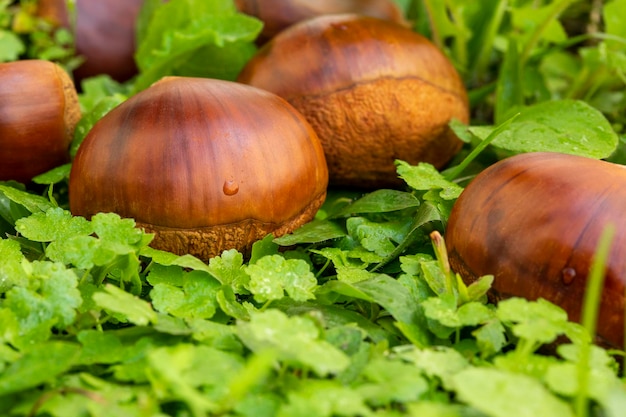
[
  {"x": 373, "y": 90},
  {"x": 280, "y": 14},
  {"x": 206, "y": 164},
  {"x": 533, "y": 221},
  {"x": 38, "y": 112}
]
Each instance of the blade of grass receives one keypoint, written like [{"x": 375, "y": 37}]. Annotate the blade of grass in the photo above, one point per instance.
[
  {"x": 510, "y": 84},
  {"x": 454, "y": 172},
  {"x": 557, "y": 8},
  {"x": 591, "y": 306},
  {"x": 487, "y": 40}
]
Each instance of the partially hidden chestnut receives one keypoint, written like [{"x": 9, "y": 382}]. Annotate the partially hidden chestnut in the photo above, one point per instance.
[
  {"x": 206, "y": 165},
  {"x": 104, "y": 33},
  {"x": 534, "y": 221},
  {"x": 373, "y": 90},
  {"x": 38, "y": 113},
  {"x": 277, "y": 15}
]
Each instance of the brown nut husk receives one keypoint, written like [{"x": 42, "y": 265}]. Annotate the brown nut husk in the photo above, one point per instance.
[
  {"x": 207, "y": 165},
  {"x": 533, "y": 221},
  {"x": 373, "y": 90},
  {"x": 38, "y": 113},
  {"x": 277, "y": 15}
]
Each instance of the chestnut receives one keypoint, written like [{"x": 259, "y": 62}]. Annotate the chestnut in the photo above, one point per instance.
[
  {"x": 38, "y": 113},
  {"x": 373, "y": 90},
  {"x": 205, "y": 164},
  {"x": 104, "y": 33},
  {"x": 533, "y": 221},
  {"x": 277, "y": 15}
]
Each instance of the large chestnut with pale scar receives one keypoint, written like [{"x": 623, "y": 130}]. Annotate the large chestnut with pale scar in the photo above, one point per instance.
[
  {"x": 373, "y": 90},
  {"x": 277, "y": 15},
  {"x": 39, "y": 110},
  {"x": 206, "y": 165},
  {"x": 533, "y": 221}
]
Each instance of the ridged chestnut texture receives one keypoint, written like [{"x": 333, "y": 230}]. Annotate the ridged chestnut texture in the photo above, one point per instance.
[
  {"x": 373, "y": 90},
  {"x": 38, "y": 112},
  {"x": 207, "y": 165},
  {"x": 533, "y": 221},
  {"x": 280, "y": 14},
  {"x": 104, "y": 32}
]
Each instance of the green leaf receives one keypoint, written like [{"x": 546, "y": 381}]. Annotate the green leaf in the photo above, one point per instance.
[
  {"x": 323, "y": 398},
  {"x": 424, "y": 177},
  {"x": 273, "y": 275},
  {"x": 378, "y": 237},
  {"x": 119, "y": 233},
  {"x": 502, "y": 394},
  {"x": 167, "y": 258},
  {"x": 614, "y": 16},
  {"x": 566, "y": 126},
  {"x": 128, "y": 306},
  {"x": 442, "y": 362},
  {"x": 54, "y": 224},
  {"x": 179, "y": 30},
  {"x": 196, "y": 298},
  {"x": 296, "y": 339},
  {"x": 491, "y": 337},
  {"x": 313, "y": 232},
  {"x": 11, "y": 46},
  {"x": 229, "y": 270},
  {"x": 389, "y": 381},
  {"x": 49, "y": 298},
  {"x": 11, "y": 271},
  {"x": 42, "y": 363},
  {"x": 380, "y": 201},
  {"x": 31, "y": 202},
  {"x": 54, "y": 176},
  {"x": 100, "y": 347},
  {"x": 537, "y": 321},
  {"x": 393, "y": 296}
]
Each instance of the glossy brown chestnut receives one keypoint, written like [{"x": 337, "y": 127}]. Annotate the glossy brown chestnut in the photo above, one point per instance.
[
  {"x": 373, "y": 90},
  {"x": 533, "y": 221},
  {"x": 207, "y": 165},
  {"x": 38, "y": 112},
  {"x": 277, "y": 15},
  {"x": 104, "y": 33}
]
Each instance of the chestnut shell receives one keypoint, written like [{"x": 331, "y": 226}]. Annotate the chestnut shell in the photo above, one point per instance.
[
  {"x": 277, "y": 15},
  {"x": 373, "y": 90},
  {"x": 104, "y": 34},
  {"x": 38, "y": 113},
  {"x": 207, "y": 165},
  {"x": 533, "y": 221}
]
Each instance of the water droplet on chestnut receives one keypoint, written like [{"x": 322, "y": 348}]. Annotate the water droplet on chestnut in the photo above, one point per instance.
[
  {"x": 568, "y": 275},
  {"x": 230, "y": 187}
]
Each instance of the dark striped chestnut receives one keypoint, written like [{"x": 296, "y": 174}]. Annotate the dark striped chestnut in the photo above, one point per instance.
[
  {"x": 533, "y": 221},
  {"x": 373, "y": 90},
  {"x": 206, "y": 165}
]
